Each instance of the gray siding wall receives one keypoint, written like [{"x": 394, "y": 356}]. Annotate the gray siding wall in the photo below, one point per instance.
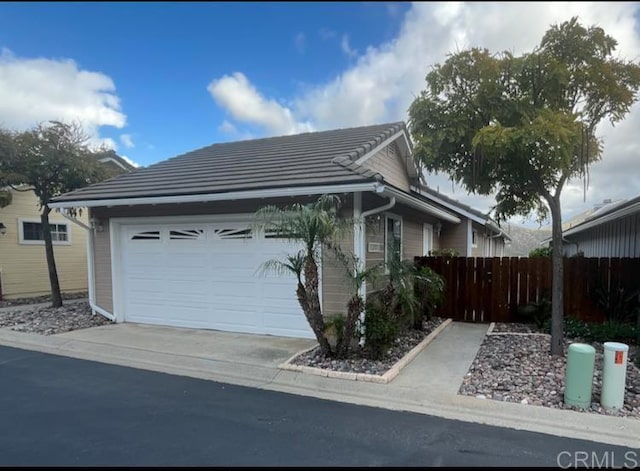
[
  {"x": 619, "y": 238},
  {"x": 102, "y": 268},
  {"x": 454, "y": 236},
  {"x": 412, "y": 231},
  {"x": 335, "y": 286},
  {"x": 388, "y": 163}
]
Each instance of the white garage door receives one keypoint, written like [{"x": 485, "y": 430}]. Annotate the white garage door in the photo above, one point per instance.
[{"x": 208, "y": 276}]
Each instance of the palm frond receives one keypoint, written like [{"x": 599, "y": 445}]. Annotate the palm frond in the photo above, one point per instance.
[{"x": 292, "y": 264}]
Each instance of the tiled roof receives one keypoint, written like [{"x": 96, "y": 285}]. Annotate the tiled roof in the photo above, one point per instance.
[{"x": 308, "y": 159}]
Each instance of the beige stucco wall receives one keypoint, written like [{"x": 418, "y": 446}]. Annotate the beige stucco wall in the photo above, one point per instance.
[{"x": 24, "y": 267}]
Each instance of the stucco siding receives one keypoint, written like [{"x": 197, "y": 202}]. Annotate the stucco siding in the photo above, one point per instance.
[
  {"x": 390, "y": 165},
  {"x": 24, "y": 270}
]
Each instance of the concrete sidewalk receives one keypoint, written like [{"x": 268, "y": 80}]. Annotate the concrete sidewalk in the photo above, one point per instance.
[{"x": 428, "y": 385}]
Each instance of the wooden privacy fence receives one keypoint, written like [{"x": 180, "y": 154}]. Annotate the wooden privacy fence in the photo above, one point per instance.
[{"x": 491, "y": 289}]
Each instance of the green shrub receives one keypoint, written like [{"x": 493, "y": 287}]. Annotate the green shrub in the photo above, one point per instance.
[
  {"x": 541, "y": 252},
  {"x": 605, "y": 332},
  {"x": 334, "y": 329},
  {"x": 382, "y": 325},
  {"x": 618, "y": 302},
  {"x": 429, "y": 288},
  {"x": 575, "y": 328},
  {"x": 539, "y": 313},
  {"x": 444, "y": 253}
]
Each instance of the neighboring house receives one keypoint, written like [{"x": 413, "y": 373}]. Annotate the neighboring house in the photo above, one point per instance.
[
  {"x": 611, "y": 231},
  {"x": 477, "y": 236},
  {"x": 597, "y": 208},
  {"x": 23, "y": 264},
  {"x": 172, "y": 243}
]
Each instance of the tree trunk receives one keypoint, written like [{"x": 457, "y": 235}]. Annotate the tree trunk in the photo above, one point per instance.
[
  {"x": 354, "y": 308},
  {"x": 312, "y": 301},
  {"x": 557, "y": 318},
  {"x": 56, "y": 297}
]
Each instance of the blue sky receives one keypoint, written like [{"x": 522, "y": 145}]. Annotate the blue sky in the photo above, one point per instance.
[
  {"x": 161, "y": 57},
  {"x": 153, "y": 80}
]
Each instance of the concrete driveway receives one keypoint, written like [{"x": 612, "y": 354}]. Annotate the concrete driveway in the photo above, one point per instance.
[{"x": 222, "y": 351}]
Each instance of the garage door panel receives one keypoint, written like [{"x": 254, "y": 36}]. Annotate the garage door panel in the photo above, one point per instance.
[{"x": 206, "y": 276}]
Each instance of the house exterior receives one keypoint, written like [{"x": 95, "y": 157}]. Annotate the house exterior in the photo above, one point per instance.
[
  {"x": 173, "y": 244},
  {"x": 613, "y": 230},
  {"x": 23, "y": 263},
  {"x": 477, "y": 235}
]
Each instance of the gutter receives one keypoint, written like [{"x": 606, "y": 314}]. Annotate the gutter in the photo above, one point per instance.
[
  {"x": 90, "y": 267},
  {"x": 421, "y": 205}
]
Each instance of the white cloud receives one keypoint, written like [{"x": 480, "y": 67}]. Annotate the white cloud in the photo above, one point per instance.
[
  {"x": 245, "y": 104},
  {"x": 300, "y": 42},
  {"x": 127, "y": 140},
  {"x": 34, "y": 90},
  {"x": 227, "y": 128},
  {"x": 326, "y": 33},
  {"x": 106, "y": 142},
  {"x": 346, "y": 47},
  {"x": 384, "y": 80},
  {"x": 130, "y": 161}
]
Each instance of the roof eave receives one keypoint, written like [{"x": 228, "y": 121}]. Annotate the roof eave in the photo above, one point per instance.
[{"x": 222, "y": 196}]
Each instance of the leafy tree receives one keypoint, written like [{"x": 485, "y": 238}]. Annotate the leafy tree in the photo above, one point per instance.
[
  {"x": 522, "y": 126},
  {"x": 49, "y": 159},
  {"x": 540, "y": 252},
  {"x": 318, "y": 226}
]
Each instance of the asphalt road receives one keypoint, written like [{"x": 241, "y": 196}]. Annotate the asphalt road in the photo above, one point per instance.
[{"x": 59, "y": 411}]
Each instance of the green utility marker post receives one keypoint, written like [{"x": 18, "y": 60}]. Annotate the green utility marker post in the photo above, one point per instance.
[{"x": 579, "y": 378}]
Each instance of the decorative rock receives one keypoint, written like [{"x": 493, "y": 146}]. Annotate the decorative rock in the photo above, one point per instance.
[
  {"x": 521, "y": 365},
  {"x": 357, "y": 361},
  {"x": 49, "y": 321}
]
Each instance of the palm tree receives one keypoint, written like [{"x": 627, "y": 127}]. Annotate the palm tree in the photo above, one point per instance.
[{"x": 317, "y": 225}]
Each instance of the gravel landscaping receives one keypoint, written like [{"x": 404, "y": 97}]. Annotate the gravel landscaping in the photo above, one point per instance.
[
  {"x": 48, "y": 320},
  {"x": 356, "y": 362},
  {"x": 41, "y": 299},
  {"x": 519, "y": 368}
]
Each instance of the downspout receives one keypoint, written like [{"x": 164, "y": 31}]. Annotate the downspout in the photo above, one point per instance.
[
  {"x": 90, "y": 267},
  {"x": 359, "y": 239}
]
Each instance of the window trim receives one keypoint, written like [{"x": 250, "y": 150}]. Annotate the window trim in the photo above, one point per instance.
[
  {"x": 474, "y": 238},
  {"x": 22, "y": 241},
  {"x": 396, "y": 217}
]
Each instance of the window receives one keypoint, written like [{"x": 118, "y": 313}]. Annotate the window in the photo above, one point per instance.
[
  {"x": 427, "y": 239},
  {"x": 31, "y": 233},
  {"x": 393, "y": 238},
  {"x": 474, "y": 238},
  {"x": 146, "y": 235}
]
